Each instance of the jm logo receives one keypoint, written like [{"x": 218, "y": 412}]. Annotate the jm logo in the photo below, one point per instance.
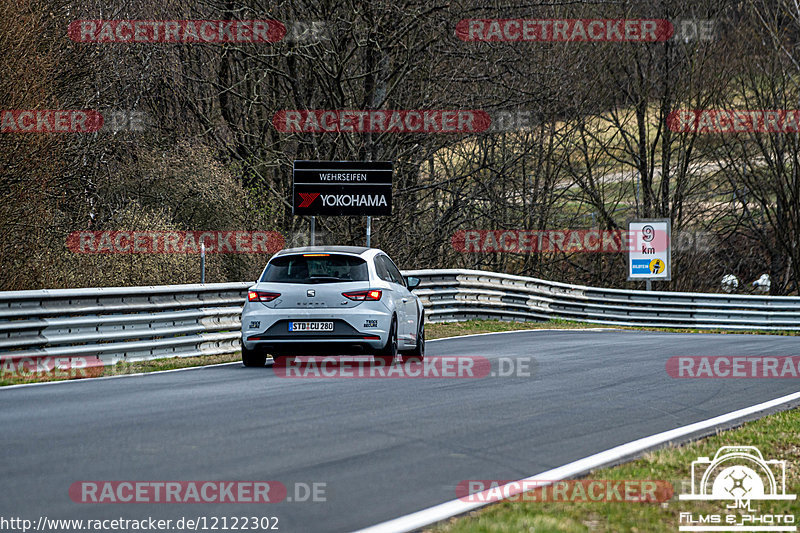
[{"x": 738, "y": 473}]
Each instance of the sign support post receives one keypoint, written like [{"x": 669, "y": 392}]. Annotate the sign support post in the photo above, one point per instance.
[
  {"x": 313, "y": 223},
  {"x": 369, "y": 230}
]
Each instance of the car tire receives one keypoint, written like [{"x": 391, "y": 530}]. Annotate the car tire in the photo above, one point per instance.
[
  {"x": 418, "y": 353},
  {"x": 253, "y": 357},
  {"x": 388, "y": 354}
]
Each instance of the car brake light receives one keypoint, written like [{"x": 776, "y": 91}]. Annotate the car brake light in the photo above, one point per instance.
[
  {"x": 360, "y": 296},
  {"x": 261, "y": 296},
  {"x": 316, "y": 255}
]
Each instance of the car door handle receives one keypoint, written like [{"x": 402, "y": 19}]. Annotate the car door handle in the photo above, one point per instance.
[{"x": 405, "y": 300}]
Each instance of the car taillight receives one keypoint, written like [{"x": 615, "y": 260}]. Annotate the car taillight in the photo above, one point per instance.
[
  {"x": 360, "y": 296},
  {"x": 261, "y": 296}
]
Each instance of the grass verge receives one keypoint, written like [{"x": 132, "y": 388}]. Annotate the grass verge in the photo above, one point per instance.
[
  {"x": 432, "y": 331},
  {"x": 123, "y": 368},
  {"x": 776, "y": 436}
]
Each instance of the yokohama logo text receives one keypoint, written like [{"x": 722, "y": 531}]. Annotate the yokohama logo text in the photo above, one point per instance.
[{"x": 347, "y": 200}]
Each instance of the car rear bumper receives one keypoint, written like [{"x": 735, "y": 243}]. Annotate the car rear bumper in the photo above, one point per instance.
[
  {"x": 318, "y": 347},
  {"x": 362, "y": 332}
]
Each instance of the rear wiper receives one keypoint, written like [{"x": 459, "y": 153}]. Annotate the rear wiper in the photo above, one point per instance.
[{"x": 322, "y": 279}]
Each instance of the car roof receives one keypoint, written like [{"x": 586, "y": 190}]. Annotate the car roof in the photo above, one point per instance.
[{"x": 355, "y": 250}]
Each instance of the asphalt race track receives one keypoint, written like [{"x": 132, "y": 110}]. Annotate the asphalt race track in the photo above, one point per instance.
[{"x": 382, "y": 447}]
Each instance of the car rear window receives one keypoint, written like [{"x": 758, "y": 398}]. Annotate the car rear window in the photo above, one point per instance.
[{"x": 316, "y": 268}]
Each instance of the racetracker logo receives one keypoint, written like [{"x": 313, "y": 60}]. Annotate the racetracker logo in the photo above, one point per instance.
[
  {"x": 50, "y": 121},
  {"x": 40, "y": 367},
  {"x": 431, "y": 367},
  {"x": 379, "y": 121},
  {"x": 174, "y": 242},
  {"x": 545, "y": 241},
  {"x": 733, "y": 367},
  {"x": 734, "y": 121},
  {"x": 176, "y": 31},
  {"x": 564, "y": 30},
  {"x": 571, "y": 491},
  {"x": 195, "y": 492}
]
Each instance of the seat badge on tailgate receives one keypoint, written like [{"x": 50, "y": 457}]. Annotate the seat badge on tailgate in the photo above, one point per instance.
[{"x": 311, "y": 293}]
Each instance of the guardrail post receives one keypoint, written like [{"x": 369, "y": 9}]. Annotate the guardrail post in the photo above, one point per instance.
[{"x": 202, "y": 263}]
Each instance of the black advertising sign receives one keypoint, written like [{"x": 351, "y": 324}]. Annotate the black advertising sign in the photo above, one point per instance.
[{"x": 343, "y": 188}]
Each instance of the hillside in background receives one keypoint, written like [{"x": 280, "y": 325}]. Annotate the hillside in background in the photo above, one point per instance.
[{"x": 581, "y": 137}]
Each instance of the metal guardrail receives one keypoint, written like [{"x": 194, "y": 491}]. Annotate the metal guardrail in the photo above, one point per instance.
[
  {"x": 108, "y": 325},
  {"x": 452, "y": 295}
]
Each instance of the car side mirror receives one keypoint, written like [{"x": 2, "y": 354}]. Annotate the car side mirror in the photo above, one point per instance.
[{"x": 412, "y": 282}]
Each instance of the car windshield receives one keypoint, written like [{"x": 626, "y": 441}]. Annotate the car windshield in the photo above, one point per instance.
[{"x": 316, "y": 268}]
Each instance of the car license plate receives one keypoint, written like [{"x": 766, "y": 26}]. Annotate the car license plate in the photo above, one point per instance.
[{"x": 310, "y": 326}]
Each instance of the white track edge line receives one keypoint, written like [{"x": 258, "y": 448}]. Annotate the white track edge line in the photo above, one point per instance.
[
  {"x": 523, "y": 331},
  {"x": 443, "y": 511},
  {"x": 139, "y": 374}
]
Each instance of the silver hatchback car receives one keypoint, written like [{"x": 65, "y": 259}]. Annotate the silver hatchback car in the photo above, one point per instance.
[{"x": 332, "y": 300}]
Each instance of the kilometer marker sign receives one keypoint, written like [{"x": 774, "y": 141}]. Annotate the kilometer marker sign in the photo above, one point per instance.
[
  {"x": 343, "y": 188},
  {"x": 650, "y": 253}
]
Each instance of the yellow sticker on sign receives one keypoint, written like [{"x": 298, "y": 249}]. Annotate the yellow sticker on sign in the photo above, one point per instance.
[{"x": 657, "y": 266}]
